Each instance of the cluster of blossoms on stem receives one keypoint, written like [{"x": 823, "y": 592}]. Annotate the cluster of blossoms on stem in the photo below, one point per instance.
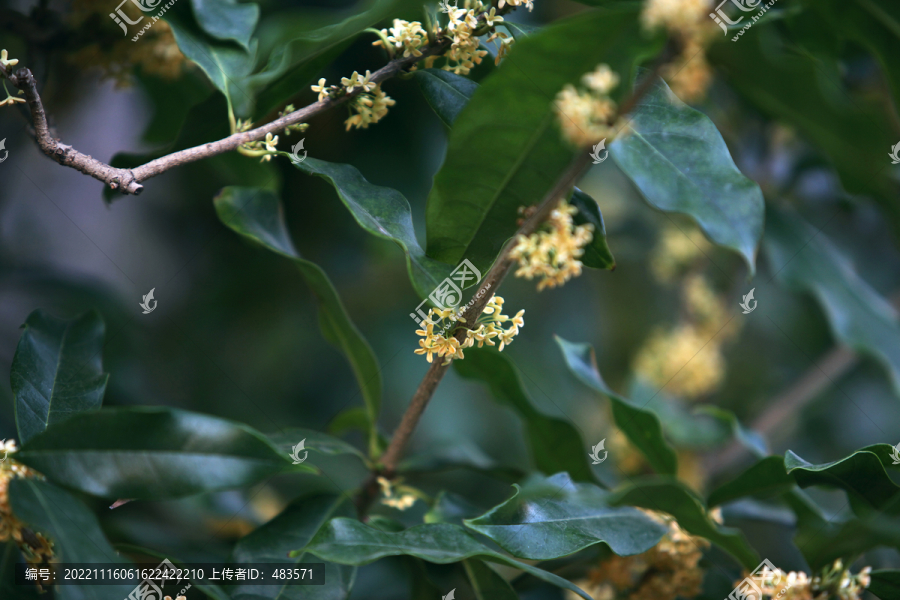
[
  {"x": 368, "y": 107},
  {"x": 552, "y": 252},
  {"x": 667, "y": 571},
  {"x": 585, "y": 114},
  {"x": 396, "y": 497},
  {"x": 36, "y": 549},
  {"x": 437, "y": 331},
  {"x": 9, "y": 62},
  {"x": 833, "y": 582},
  {"x": 689, "y": 75}
]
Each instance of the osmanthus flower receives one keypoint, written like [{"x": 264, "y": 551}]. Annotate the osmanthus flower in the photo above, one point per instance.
[
  {"x": 689, "y": 75},
  {"x": 492, "y": 327},
  {"x": 369, "y": 108},
  {"x": 585, "y": 114},
  {"x": 395, "y": 495},
  {"x": 552, "y": 252},
  {"x": 667, "y": 571},
  {"x": 407, "y": 36},
  {"x": 832, "y": 582},
  {"x": 684, "y": 361},
  {"x": 36, "y": 549},
  {"x": 8, "y": 62}
]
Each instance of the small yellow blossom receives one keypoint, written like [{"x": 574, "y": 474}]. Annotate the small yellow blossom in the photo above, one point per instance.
[
  {"x": 552, "y": 253},
  {"x": 527, "y": 3},
  {"x": 395, "y": 498},
  {"x": 602, "y": 80},
  {"x": 832, "y": 582},
  {"x": 350, "y": 83},
  {"x": 677, "y": 251},
  {"x": 492, "y": 17},
  {"x": 586, "y": 117},
  {"x": 271, "y": 142},
  {"x": 36, "y": 549},
  {"x": 321, "y": 89},
  {"x": 369, "y": 108},
  {"x": 682, "y": 361},
  {"x": 6, "y": 61},
  {"x": 488, "y": 329},
  {"x": 408, "y": 36}
]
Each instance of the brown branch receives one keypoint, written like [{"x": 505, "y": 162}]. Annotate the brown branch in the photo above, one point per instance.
[{"x": 128, "y": 181}]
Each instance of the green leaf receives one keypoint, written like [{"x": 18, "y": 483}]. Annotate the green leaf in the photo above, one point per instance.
[
  {"x": 349, "y": 542},
  {"x": 451, "y": 508},
  {"x": 861, "y": 475},
  {"x": 315, "y": 441},
  {"x": 555, "y": 443},
  {"x": 152, "y": 453},
  {"x": 548, "y": 518},
  {"x": 640, "y": 426},
  {"x": 766, "y": 477},
  {"x": 384, "y": 212},
  {"x": 519, "y": 31},
  {"x": 76, "y": 535},
  {"x": 678, "y": 160},
  {"x": 293, "y": 528},
  {"x": 210, "y": 589},
  {"x": 227, "y": 20},
  {"x": 447, "y": 93},
  {"x": 597, "y": 254},
  {"x": 671, "y": 496},
  {"x": 257, "y": 216},
  {"x": 505, "y": 148},
  {"x": 804, "y": 259},
  {"x": 57, "y": 370},
  {"x": 885, "y": 584},
  {"x": 487, "y": 584},
  {"x": 458, "y": 456}
]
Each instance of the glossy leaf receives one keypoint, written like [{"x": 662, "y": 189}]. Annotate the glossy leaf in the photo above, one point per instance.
[
  {"x": 766, "y": 477},
  {"x": 804, "y": 259},
  {"x": 552, "y": 517},
  {"x": 57, "y": 370},
  {"x": 505, "y": 148},
  {"x": 257, "y": 216},
  {"x": 862, "y": 475},
  {"x": 458, "y": 456},
  {"x": 350, "y": 542},
  {"x": 597, "y": 254},
  {"x": 314, "y": 441},
  {"x": 383, "y": 212},
  {"x": 447, "y": 93},
  {"x": 153, "y": 453},
  {"x": 227, "y": 19},
  {"x": 76, "y": 535},
  {"x": 295, "y": 527},
  {"x": 670, "y": 496},
  {"x": 885, "y": 584},
  {"x": 678, "y": 160},
  {"x": 487, "y": 584},
  {"x": 640, "y": 426},
  {"x": 555, "y": 443}
]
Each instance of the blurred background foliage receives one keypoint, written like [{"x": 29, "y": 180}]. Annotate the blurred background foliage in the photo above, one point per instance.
[{"x": 236, "y": 335}]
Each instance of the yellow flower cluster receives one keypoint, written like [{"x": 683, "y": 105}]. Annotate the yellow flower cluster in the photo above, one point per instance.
[
  {"x": 689, "y": 74},
  {"x": 677, "y": 251},
  {"x": 408, "y": 36},
  {"x": 682, "y": 360},
  {"x": 36, "y": 549},
  {"x": 834, "y": 582},
  {"x": 438, "y": 329},
  {"x": 585, "y": 115},
  {"x": 464, "y": 53},
  {"x": 552, "y": 253},
  {"x": 370, "y": 108},
  {"x": 395, "y": 498},
  {"x": 667, "y": 571}
]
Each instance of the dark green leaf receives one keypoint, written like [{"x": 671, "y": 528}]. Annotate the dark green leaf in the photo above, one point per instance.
[
  {"x": 446, "y": 92},
  {"x": 383, "y": 212},
  {"x": 640, "y": 426},
  {"x": 505, "y": 148},
  {"x": 554, "y": 517},
  {"x": 293, "y": 528},
  {"x": 766, "y": 477},
  {"x": 519, "y": 31},
  {"x": 256, "y": 215},
  {"x": 671, "y": 496},
  {"x": 315, "y": 441},
  {"x": 555, "y": 444},
  {"x": 451, "y": 508},
  {"x": 804, "y": 259},
  {"x": 152, "y": 453},
  {"x": 458, "y": 456},
  {"x": 487, "y": 584},
  {"x": 349, "y": 542},
  {"x": 76, "y": 535},
  {"x": 597, "y": 254},
  {"x": 861, "y": 475},
  {"x": 226, "y": 19},
  {"x": 678, "y": 160},
  {"x": 57, "y": 370},
  {"x": 885, "y": 584}
]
